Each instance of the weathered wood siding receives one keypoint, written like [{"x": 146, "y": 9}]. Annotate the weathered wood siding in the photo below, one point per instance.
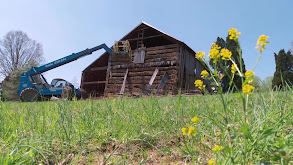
[{"x": 165, "y": 58}]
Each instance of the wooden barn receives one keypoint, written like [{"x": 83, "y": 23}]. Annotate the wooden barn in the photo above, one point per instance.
[{"x": 159, "y": 64}]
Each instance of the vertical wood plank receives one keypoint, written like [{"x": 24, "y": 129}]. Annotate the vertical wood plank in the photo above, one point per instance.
[{"x": 124, "y": 82}]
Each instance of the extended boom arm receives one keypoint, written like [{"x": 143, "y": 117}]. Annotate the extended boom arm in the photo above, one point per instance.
[{"x": 67, "y": 59}]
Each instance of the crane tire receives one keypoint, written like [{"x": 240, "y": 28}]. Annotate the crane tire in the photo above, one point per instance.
[
  {"x": 29, "y": 95},
  {"x": 67, "y": 93}
]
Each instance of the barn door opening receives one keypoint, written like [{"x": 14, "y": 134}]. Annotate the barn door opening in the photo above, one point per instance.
[{"x": 94, "y": 80}]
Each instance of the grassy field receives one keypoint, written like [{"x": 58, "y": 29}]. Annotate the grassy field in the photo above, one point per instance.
[{"x": 148, "y": 130}]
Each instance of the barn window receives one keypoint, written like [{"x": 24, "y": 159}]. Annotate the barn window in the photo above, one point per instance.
[{"x": 139, "y": 56}]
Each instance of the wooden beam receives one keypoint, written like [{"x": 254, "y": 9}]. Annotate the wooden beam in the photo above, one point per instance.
[
  {"x": 151, "y": 81},
  {"x": 94, "y": 82},
  {"x": 99, "y": 68},
  {"x": 150, "y": 64},
  {"x": 163, "y": 82},
  {"x": 134, "y": 39},
  {"x": 124, "y": 82}
]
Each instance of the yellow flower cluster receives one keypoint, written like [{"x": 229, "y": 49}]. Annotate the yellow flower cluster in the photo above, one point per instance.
[
  {"x": 225, "y": 54},
  {"x": 249, "y": 74},
  {"x": 204, "y": 74},
  {"x": 212, "y": 162},
  {"x": 233, "y": 34},
  {"x": 195, "y": 120},
  {"x": 184, "y": 131},
  {"x": 214, "y": 52},
  {"x": 218, "y": 133},
  {"x": 247, "y": 89},
  {"x": 217, "y": 148},
  {"x": 261, "y": 42},
  {"x": 200, "y": 55},
  {"x": 191, "y": 130},
  {"x": 233, "y": 69},
  {"x": 199, "y": 84}
]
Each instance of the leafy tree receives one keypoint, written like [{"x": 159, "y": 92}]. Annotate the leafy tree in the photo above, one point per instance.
[
  {"x": 284, "y": 69},
  {"x": 256, "y": 82},
  {"x": 18, "y": 53},
  {"x": 10, "y": 85},
  {"x": 266, "y": 84}
]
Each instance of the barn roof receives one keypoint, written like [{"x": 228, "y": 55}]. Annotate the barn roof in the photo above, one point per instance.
[{"x": 105, "y": 55}]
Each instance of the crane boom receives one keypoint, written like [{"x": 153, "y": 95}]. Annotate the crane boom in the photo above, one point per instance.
[
  {"x": 33, "y": 85},
  {"x": 67, "y": 59}
]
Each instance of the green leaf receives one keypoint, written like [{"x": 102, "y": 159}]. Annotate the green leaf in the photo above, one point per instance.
[
  {"x": 245, "y": 129},
  {"x": 213, "y": 84},
  {"x": 238, "y": 95},
  {"x": 283, "y": 153},
  {"x": 227, "y": 149},
  {"x": 276, "y": 158}
]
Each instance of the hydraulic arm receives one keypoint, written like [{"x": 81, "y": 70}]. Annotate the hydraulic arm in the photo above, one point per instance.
[
  {"x": 33, "y": 85},
  {"x": 67, "y": 59}
]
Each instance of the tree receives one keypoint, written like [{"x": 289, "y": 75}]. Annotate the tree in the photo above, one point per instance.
[
  {"x": 234, "y": 47},
  {"x": 256, "y": 82},
  {"x": 224, "y": 66},
  {"x": 18, "y": 53},
  {"x": 284, "y": 69},
  {"x": 17, "y": 50},
  {"x": 10, "y": 85},
  {"x": 266, "y": 84}
]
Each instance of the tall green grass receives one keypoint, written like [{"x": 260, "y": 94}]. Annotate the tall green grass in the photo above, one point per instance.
[{"x": 147, "y": 130}]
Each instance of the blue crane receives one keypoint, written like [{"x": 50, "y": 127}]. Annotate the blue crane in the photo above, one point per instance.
[{"x": 33, "y": 86}]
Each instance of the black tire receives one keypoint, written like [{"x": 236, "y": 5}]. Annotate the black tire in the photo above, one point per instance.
[
  {"x": 29, "y": 95},
  {"x": 67, "y": 93}
]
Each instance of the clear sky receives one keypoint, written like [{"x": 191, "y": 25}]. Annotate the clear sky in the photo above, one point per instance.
[{"x": 64, "y": 27}]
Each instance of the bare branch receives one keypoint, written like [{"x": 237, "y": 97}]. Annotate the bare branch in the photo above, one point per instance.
[{"x": 17, "y": 50}]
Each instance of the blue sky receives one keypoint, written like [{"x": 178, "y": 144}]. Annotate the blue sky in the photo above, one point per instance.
[{"x": 68, "y": 26}]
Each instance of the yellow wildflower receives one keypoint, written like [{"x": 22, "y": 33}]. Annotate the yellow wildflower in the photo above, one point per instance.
[
  {"x": 218, "y": 133},
  {"x": 233, "y": 34},
  {"x": 217, "y": 148},
  {"x": 200, "y": 55},
  {"x": 247, "y": 89},
  {"x": 214, "y": 52},
  {"x": 226, "y": 54},
  {"x": 248, "y": 74},
  {"x": 204, "y": 74},
  {"x": 212, "y": 162},
  {"x": 191, "y": 130},
  {"x": 199, "y": 84},
  {"x": 233, "y": 69},
  {"x": 215, "y": 46},
  {"x": 261, "y": 42},
  {"x": 195, "y": 120},
  {"x": 184, "y": 131}
]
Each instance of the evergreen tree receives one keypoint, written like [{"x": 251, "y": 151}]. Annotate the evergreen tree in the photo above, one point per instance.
[
  {"x": 284, "y": 69},
  {"x": 224, "y": 66},
  {"x": 220, "y": 42},
  {"x": 234, "y": 47}
]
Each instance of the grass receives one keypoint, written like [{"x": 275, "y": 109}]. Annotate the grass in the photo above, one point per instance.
[{"x": 148, "y": 130}]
